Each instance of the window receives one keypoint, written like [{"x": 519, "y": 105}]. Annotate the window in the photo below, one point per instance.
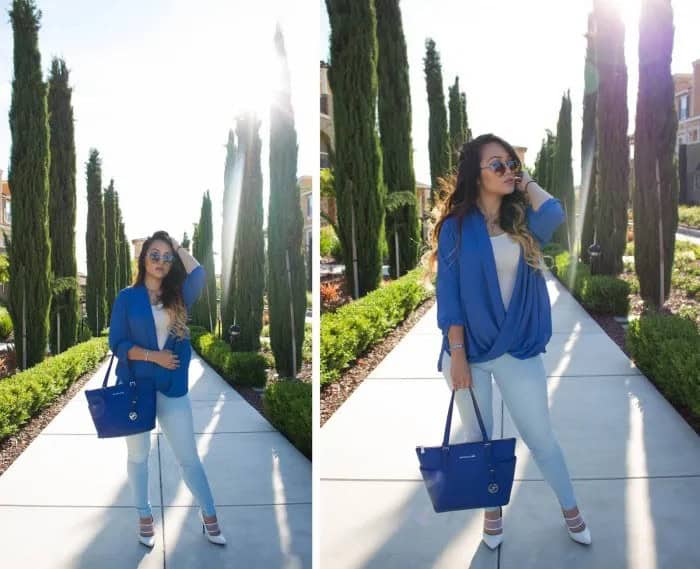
[
  {"x": 7, "y": 212},
  {"x": 683, "y": 103},
  {"x": 324, "y": 103},
  {"x": 697, "y": 181},
  {"x": 308, "y": 205}
]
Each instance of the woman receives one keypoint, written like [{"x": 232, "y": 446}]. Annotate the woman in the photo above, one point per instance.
[
  {"x": 494, "y": 310},
  {"x": 149, "y": 335}
]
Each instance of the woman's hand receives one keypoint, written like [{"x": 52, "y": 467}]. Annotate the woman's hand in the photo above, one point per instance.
[
  {"x": 166, "y": 359},
  {"x": 174, "y": 244},
  {"x": 522, "y": 180},
  {"x": 460, "y": 372}
]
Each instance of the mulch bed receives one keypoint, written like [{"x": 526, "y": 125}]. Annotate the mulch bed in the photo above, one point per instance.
[
  {"x": 333, "y": 395},
  {"x": 13, "y": 446}
]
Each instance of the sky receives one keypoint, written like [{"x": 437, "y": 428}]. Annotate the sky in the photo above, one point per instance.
[
  {"x": 515, "y": 59},
  {"x": 157, "y": 86}
]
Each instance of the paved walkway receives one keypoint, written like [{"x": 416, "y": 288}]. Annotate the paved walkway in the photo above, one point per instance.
[
  {"x": 635, "y": 465},
  {"x": 66, "y": 503}
]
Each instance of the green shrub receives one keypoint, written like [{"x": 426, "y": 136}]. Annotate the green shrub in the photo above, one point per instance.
[
  {"x": 287, "y": 405},
  {"x": 689, "y": 215},
  {"x": 26, "y": 393},
  {"x": 241, "y": 368},
  {"x": 605, "y": 295},
  {"x": 265, "y": 332},
  {"x": 306, "y": 346},
  {"x": 5, "y": 324},
  {"x": 330, "y": 244},
  {"x": 667, "y": 350},
  {"x": 354, "y": 327}
]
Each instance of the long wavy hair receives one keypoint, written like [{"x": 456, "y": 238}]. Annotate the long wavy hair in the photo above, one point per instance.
[
  {"x": 458, "y": 196},
  {"x": 171, "y": 287}
]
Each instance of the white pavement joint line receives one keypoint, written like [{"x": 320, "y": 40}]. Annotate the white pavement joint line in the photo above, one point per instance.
[
  {"x": 633, "y": 372},
  {"x": 162, "y": 503},
  {"x": 574, "y": 478},
  {"x": 131, "y": 507}
]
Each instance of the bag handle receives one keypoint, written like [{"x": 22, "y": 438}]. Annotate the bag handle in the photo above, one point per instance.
[
  {"x": 448, "y": 423},
  {"x": 104, "y": 383}
]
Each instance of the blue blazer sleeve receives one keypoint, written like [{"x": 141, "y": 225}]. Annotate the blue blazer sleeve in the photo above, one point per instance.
[
  {"x": 193, "y": 285},
  {"x": 119, "y": 341},
  {"x": 543, "y": 222},
  {"x": 449, "y": 308}
]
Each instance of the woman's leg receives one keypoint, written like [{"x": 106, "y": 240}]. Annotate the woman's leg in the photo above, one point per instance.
[
  {"x": 523, "y": 385},
  {"x": 481, "y": 382},
  {"x": 175, "y": 417},
  {"x": 138, "y": 448}
]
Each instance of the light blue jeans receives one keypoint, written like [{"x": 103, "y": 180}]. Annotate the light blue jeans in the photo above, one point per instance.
[
  {"x": 523, "y": 386},
  {"x": 175, "y": 418}
]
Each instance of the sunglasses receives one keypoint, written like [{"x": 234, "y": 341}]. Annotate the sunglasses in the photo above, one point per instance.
[
  {"x": 499, "y": 166},
  {"x": 156, "y": 257}
]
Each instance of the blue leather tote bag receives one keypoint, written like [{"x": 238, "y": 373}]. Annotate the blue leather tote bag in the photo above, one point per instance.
[
  {"x": 468, "y": 475},
  {"x": 123, "y": 409}
]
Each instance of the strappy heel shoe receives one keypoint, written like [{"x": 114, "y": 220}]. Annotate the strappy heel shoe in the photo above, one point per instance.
[
  {"x": 146, "y": 533},
  {"x": 493, "y": 540},
  {"x": 219, "y": 539},
  {"x": 580, "y": 536}
]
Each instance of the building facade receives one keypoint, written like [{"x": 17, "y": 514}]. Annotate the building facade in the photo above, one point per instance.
[
  {"x": 687, "y": 100},
  {"x": 5, "y": 213}
]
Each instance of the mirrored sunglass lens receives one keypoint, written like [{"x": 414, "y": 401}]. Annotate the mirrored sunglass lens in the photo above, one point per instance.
[
  {"x": 167, "y": 258},
  {"x": 154, "y": 256},
  {"x": 498, "y": 167},
  {"x": 513, "y": 165}
]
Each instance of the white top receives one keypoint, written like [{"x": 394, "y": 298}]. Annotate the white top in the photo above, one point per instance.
[
  {"x": 162, "y": 320},
  {"x": 506, "y": 253}
]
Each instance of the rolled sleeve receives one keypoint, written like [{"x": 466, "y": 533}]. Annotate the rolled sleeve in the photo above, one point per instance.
[
  {"x": 193, "y": 285},
  {"x": 119, "y": 341},
  {"x": 449, "y": 307},
  {"x": 543, "y": 222}
]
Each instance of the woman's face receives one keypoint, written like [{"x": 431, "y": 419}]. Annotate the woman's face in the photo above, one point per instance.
[
  {"x": 500, "y": 182},
  {"x": 159, "y": 259}
]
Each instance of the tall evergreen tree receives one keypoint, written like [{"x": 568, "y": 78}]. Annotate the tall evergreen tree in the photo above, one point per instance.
[
  {"x": 465, "y": 118},
  {"x": 30, "y": 249},
  {"x": 588, "y": 197},
  {"x": 540, "y": 164},
  {"x": 228, "y": 223},
  {"x": 185, "y": 241},
  {"x": 119, "y": 223},
  {"x": 655, "y": 136},
  {"x": 438, "y": 138},
  {"x": 204, "y": 310},
  {"x": 124, "y": 260},
  {"x": 551, "y": 146},
  {"x": 95, "y": 294},
  {"x": 285, "y": 227},
  {"x": 613, "y": 147},
  {"x": 395, "y": 128},
  {"x": 458, "y": 134},
  {"x": 563, "y": 181},
  {"x": 111, "y": 255},
  {"x": 62, "y": 208},
  {"x": 248, "y": 279},
  {"x": 359, "y": 185}
]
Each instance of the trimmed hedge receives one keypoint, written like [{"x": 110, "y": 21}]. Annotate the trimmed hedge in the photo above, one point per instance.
[
  {"x": 287, "y": 405},
  {"x": 26, "y": 393},
  {"x": 353, "y": 328},
  {"x": 602, "y": 294},
  {"x": 667, "y": 349},
  {"x": 689, "y": 215},
  {"x": 241, "y": 368},
  {"x": 5, "y": 323}
]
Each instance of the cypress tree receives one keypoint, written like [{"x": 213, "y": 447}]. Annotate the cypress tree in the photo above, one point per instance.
[
  {"x": 550, "y": 147},
  {"x": 248, "y": 279},
  {"x": 111, "y": 256},
  {"x": 395, "y": 128},
  {"x": 458, "y": 133},
  {"x": 204, "y": 310},
  {"x": 285, "y": 227},
  {"x": 465, "y": 118},
  {"x": 62, "y": 208},
  {"x": 30, "y": 249},
  {"x": 185, "y": 241},
  {"x": 438, "y": 138},
  {"x": 588, "y": 146},
  {"x": 613, "y": 147},
  {"x": 95, "y": 296},
  {"x": 563, "y": 174},
  {"x": 655, "y": 136},
  {"x": 540, "y": 165},
  {"x": 123, "y": 258},
  {"x": 127, "y": 259},
  {"x": 359, "y": 185},
  {"x": 228, "y": 224}
]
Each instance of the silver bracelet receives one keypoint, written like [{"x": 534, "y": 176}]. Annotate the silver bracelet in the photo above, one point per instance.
[
  {"x": 457, "y": 346},
  {"x": 146, "y": 355}
]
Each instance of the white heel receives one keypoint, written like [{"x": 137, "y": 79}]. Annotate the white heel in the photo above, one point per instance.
[
  {"x": 218, "y": 539},
  {"x": 493, "y": 541},
  {"x": 583, "y": 536},
  {"x": 147, "y": 527}
]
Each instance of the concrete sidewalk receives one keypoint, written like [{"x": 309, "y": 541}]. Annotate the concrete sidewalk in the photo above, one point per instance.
[
  {"x": 66, "y": 502},
  {"x": 634, "y": 461}
]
